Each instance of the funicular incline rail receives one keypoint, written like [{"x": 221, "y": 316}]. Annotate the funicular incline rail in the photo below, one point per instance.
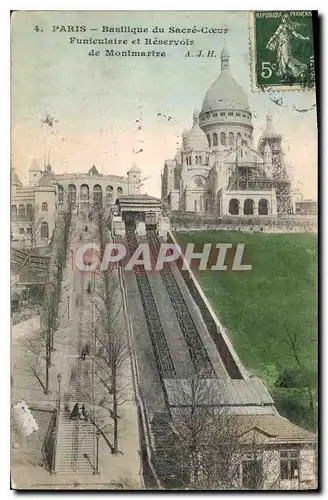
[
  {"x": 157, "y": 335},
  {"x": 198, "y": 353}
]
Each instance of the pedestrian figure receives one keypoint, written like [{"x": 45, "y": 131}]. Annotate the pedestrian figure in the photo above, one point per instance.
[
  {"x": 87, "y": 349},
  {"x": 83, "y": 353},
  {"x": 75, "y": 412},
  {"x": 83, "y": 411}
]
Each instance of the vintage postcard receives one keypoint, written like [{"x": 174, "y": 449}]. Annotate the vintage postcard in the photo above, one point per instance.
[{"x": 164, "y": 250}]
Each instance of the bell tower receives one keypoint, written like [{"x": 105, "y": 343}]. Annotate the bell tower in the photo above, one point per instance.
[{"x": 34, "y": 173}]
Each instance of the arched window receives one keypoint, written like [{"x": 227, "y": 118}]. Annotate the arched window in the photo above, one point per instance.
[
  {"x": 231, "y": 138},
  {"x": 60, "y": 193},
  {"x": 234, "y": 206},
  {"x": 84, "y": 192},
  {"x": 44, "y": 207},
  {"x": 223, "y": 139},
  {"x": 72, "y": 193},
  {"x": 209, "y": 140},
  {"x": 44, "y": 230},
  {"x": 263, "y": 207},
  {"x": 238, "y": 138},
  {"x": 13, "y": 210},
  {"x": 206, "y": 160},
  {"x": 196, "y": 160},
  {"x": 109, "y": 193},
  {"x": 189, "y": 160},
  {"x": 21, "y": 210},
  {"x": 215, "y": 139},
  {"x": 248, "y": 207},
  {"x": 97, "y": 194},
  {"x": 195, "y": 205},
  {"x": 29, "y": 210},
  {"x": 119, "y": 191}
]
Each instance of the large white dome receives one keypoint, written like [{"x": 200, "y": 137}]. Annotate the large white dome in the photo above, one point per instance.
[{"x": 225, "y": 92}]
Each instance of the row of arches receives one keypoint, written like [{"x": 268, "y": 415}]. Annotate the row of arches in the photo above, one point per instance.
[
  {"x": 227, "y": 113},
  {"x": 84, "y": 195},
  {"x": 248, "y": 207},
  {"x": 198, "y": 160},
  {"x": 225, "y": 139},
  {"x": 28, "y": 210},
  {"x": 44, "y": 230}
]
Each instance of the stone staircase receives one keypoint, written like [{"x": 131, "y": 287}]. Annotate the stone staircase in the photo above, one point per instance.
[{"x": 75, "y": 453}]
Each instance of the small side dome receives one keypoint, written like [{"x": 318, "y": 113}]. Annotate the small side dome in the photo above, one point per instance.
[{"x": 196, "y": 138}]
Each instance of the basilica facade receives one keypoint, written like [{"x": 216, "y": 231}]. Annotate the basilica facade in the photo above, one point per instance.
[{"x": 218, "y": 169}]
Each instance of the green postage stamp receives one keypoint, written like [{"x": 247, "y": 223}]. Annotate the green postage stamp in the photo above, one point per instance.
[{"x": 282, "y": 50}]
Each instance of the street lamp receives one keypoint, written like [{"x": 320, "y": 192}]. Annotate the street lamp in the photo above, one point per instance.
[
  {"x": 59, "y": 378},
  {"x": 68, "y": 297},
  {"x": 96, "y": 471}
]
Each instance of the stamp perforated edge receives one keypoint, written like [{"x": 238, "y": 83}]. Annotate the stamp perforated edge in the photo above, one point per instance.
[{"x": 252, "y": 66}]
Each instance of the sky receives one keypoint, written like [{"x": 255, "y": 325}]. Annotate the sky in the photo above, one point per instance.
[{"x": 107, "y": 109}]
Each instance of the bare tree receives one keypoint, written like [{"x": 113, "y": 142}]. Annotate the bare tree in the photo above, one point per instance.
[
  {"x": 110, "y": 338},
  {"x": 214, "y": 448},
  {"x": 111, "y": 348},
  {"x": 293, "y": 339},
  {"x": 33, "y": 227},
  {"x": 41, "y": 344}
]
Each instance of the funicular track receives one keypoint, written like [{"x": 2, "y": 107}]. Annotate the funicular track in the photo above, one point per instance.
[
  {"x": 189, "y": 330},
  {"x": 157, "y": 335}
]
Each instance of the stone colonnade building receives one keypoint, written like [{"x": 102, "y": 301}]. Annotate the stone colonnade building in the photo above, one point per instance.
[{"x": 34, "y": 207}]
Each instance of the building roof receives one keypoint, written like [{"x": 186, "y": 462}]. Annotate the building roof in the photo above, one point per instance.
[
  {"x": 269, "y": 131},
  {"x": 225, "y": 92},
  {"x": 134, "y": 168},
  {"x": 15, "y": 180},
  {"x": 273, "y": 428},
  {"x": 93, "y": 171},
  {"x": 218, "y": 392},
  {"x": 195, "y": 138},
  {"x": 258, "y": 429},
  {"x": 244, "y": 155},
  {"x": 139, "y": 202},
  {"x": 138, "y": 198},
  {"x": 47, "y": 177}
]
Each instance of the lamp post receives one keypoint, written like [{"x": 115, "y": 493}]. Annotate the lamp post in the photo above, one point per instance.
[
  {"x": 96, "y": 471},
  {"x": 68, "y": 297},
  {"x": 59, "y": 378}
]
